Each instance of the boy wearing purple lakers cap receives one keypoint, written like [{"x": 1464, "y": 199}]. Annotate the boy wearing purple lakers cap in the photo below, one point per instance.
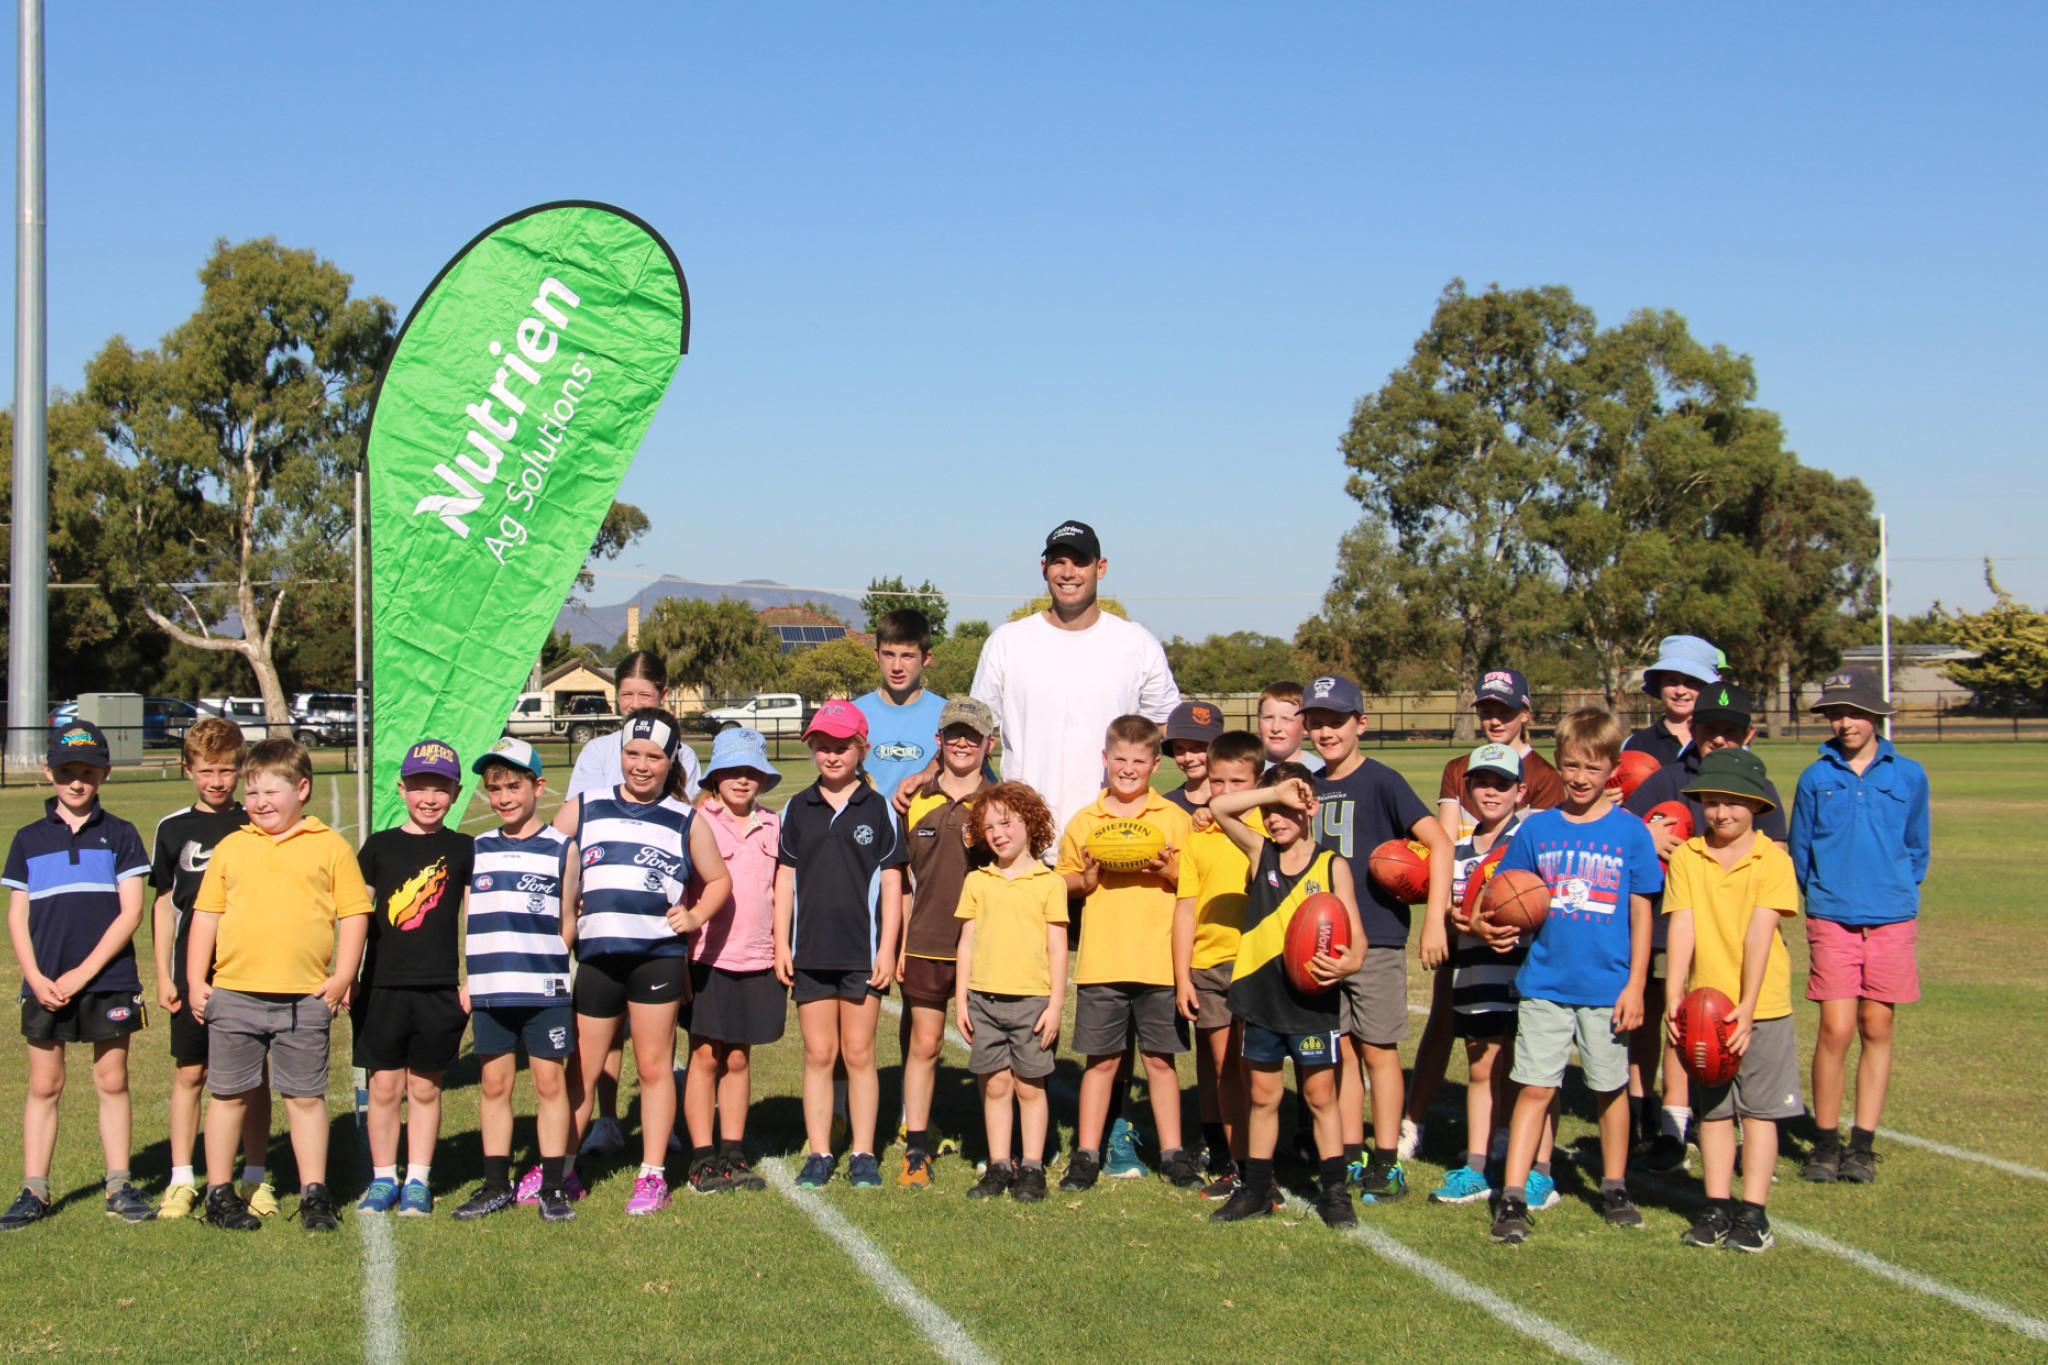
[
  {"x": 408, "y": 1009},
  {"x": 1859, "y": 843}
]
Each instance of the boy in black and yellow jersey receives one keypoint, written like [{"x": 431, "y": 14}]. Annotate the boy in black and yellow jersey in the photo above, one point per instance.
[{"x": 1278, "y": 1020}]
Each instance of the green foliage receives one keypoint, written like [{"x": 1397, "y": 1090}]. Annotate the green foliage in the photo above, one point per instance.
[
  {"x": 623, "y": 524},
  {"x": 2013, "y": 642},
  {"x": 838, "y": 668},
  {"x": 1931, "y": 627},
  {"x": 829, "y": 613},
  {"x": 954, "y": 659},
  {"x": 722, "y": 646},
  {"x": 560, "y": 645},
  {"x": 885, "y": 595},
  {"x": 1244, "y": 661},
  {"x": 1043, "y": 602}
]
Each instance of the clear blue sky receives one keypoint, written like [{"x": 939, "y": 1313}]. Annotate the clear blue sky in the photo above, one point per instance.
[{"x": 960, "y": 273}]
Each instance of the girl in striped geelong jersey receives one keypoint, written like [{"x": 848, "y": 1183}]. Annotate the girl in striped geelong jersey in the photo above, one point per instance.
[{"x": 641, "y": 848}]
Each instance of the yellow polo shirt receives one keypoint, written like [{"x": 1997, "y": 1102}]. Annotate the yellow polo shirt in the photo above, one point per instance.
[
  {"x": 278, "y": 900},
  {"x": 1722, "y": 900},
  {"x": 1127, "y": 932},
  {"x": 1213, "y": 872},
  {"x": 1010, "y": 914}
]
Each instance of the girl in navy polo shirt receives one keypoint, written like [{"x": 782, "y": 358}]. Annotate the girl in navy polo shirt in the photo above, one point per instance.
[
  {"x": 642, "y": 846},
  {"x": 838, "y": 906}
]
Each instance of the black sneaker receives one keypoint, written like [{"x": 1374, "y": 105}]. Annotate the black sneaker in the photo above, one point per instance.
[
  {"x": 1665, "y": 1156},
  {"x": 1216, "y": 1163},
  {"x": 1333, "y": 1206},
  {"x": 995, "y": 1181},
  {"x": 1083, "y": 1171},
  {"x": 1244, "y": 1203},
  {"x": 1751, "y": 1232},
  {"x": 1859, "y": 1165},
  {"x": 26, "y": 1209},
  {"x": 1029, "y": 1186},
  {"x": 488, "y": 1199},
  {"x": 555, "y": 1204},
  {"x": 739, "y": 1174},
  {"x": 225, "y": 1210},
  {"x": 1511, "y": 1222},
  {"x": 1711, "y": 1230},
  {"x": 707, "y": 1176},
  {"x": 1823, "y": 1164},
  {"x": 128, "y": 1206},
  {"x": 316, "y": 1209},
  {"x": 1222, "y": 1187},
  {"x": 1383, "y": 1184},
  {"x": 1183, "y": 1172},
  {"x": 1619, "y": 1210}
]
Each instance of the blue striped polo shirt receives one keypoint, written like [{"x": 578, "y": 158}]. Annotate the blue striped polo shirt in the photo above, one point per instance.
[
  {"x": 73, "y": 880},
  {"x": 513, "y": 942},
  {"x": 636, "y": 864}
]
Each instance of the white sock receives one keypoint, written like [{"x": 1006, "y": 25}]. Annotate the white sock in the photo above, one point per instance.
[
  {"x": 646, "y": 1169},
  {"x": 389, "y": 1173},
  {"x": 1674, "y": 1121},
  {"x": 181, "y": 1175},
  {"x": 416, "y": 1173},
  {"x": 255, "y": 1175},
  {"x": 839, "y": 1098}
]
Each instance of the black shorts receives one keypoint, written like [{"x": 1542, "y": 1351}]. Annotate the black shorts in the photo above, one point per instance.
[
  {"x": 744, "y": 1009},
  {"x": 852, "y": 987},
  {"x": 1487, "y": 1025},
  {"x": 606, "y": 985},
  {"x": 89, "y": 1017},
  {"x": 188, "y": 1035},
  {"x": 408, "y": 1028}
]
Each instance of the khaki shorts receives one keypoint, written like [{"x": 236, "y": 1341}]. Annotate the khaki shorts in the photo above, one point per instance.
[
  {"x": 1005, "y": 1035},
  {"x": 1212, "y": 988},
  {"x": 1766, "y": 1086},
  {"x": 1375, "y": 1004}
]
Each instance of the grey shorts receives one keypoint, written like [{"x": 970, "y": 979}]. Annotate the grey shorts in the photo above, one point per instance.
[
  {"x": 1767, "y": 1084},
  {"x": 1375, "y": 1005},
  {"x": 1546, "y": 1032},
  {"x": 1004, "y": 1036},
  {"x": 1212, "y": 988},
  {"x": 243, "y": 1028},
  {"x": 1106, "y": 1014}
]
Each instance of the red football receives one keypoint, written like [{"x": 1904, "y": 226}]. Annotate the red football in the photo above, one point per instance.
[
  {"x": 1704, "y": 1018},
  {"x": 1633, "y": 769},
  {"x": 1518, "y": 897},
  {"x": 1401, "y": 868},
  {"x": 1476, "y": 879},
  {"x": 1676, "y": 814},
  {"x": 1320, "y": 925}
]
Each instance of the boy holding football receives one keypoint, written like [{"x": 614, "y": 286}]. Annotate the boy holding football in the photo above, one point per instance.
[
  {"x": 1727, "y": 892},
  {"x": 1124, "y": 978},
  {"x": 1582, "y": 983}
]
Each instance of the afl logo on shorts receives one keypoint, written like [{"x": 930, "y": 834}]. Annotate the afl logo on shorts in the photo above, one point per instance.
[
  {"x": 119, "y": 1014},
  {"x": 863, "y": 835},
  {"x": 593, "y": 856},
  {"x": 483, "y": 881}
]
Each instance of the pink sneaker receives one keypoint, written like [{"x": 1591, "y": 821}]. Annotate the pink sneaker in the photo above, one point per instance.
[
  {"x": 528, "y": 1191},
  {"x": 650, "y": 1195}
]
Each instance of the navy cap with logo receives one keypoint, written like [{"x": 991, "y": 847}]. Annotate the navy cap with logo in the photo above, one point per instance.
[
  {"x": 1725, "y": 704},
  {"x": 1856, "y": 686},
  {"x": 79, "y": 742},
  {"x": 1076, "y": 538},
  {"x": 1333, "y": 692},
  {"x": 1505, "y": 686},
  {"x": 1195, "y": 720}
]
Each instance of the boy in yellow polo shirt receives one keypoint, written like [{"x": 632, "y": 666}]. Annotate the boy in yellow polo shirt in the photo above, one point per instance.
[
  {"x": 1124, "y": 979},
  {"x": 1205, "y": 932},
  {"x": 1013, "y": 984},
  {"x": 267, "y": 975},
  {"x": 1727, "y": 893}
]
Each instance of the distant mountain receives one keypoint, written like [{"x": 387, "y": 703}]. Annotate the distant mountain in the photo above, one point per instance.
[{"x": 602, "y": 626}]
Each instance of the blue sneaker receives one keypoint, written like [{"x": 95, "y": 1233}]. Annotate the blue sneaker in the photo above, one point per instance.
[
  {"x": 1464, "y": 1186},
  {"x": 1120, "y": 1154},
  {"x": 1542, "y": 1191},
  {"x": 863, "y": 1171},
  {"x": 381, "y": 1197},
  {"x": 415, "y": 1200},
  {"x": 817, "y": 1172}
]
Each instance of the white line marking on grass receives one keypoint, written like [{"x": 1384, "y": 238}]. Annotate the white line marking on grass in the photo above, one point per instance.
[
  {"x": 383, "y": 1343},
  {"x": 947, "y": 1336},
  {"x": 1449, "y": 1281},
  {"x": 1963, "y": 1154}
]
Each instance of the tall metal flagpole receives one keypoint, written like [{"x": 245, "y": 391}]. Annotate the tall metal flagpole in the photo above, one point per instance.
[
  {"x": 28, "y": 599},
  {"x": 1884, "y": 610}
]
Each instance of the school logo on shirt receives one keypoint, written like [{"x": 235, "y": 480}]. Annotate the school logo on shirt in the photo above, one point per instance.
[
  {"x": 419, "y": 896},
  {"x": 863, "y": 835}
]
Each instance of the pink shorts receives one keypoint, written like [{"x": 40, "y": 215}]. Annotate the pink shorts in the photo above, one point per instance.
[{"x": 1862, "y": 962}]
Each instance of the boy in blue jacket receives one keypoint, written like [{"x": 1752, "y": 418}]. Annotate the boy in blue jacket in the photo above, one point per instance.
[{"x": 1859, "y": 847}]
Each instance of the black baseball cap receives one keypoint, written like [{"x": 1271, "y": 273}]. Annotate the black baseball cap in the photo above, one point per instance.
[
  {"x": 1857, "y": 686},
  {"x": 1075, "y": 537},
  {"x": 79, "y": 742},
  {"x": 1725, "y": 703}
]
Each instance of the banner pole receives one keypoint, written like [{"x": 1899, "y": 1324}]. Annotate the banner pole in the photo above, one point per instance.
[
  {"x": 28, "y": 659},
  {"x": 362, "y": 719}
]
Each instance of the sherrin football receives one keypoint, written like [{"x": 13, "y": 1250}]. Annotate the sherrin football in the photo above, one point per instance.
[
  {"x": 1516, "y": 897},
  {"x": 1126, "y": 845},
  {"x": 1631, "y": 772},
  {"x": 1476, "y": 879},
  {"x": 1674, "y": 814},
  {"x": 1401, "y": 868},
  {"x": 1320, "y": 925},
  {"x": 1705, "y": 1017}
]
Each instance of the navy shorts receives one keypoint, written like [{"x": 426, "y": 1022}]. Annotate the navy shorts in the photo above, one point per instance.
[
  {"x": 1307, "y": 1049},
  {"x": 545, "y": 1031}
]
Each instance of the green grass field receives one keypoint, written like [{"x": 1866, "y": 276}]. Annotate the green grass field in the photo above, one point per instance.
[{"x": 1941, "y": 1260}]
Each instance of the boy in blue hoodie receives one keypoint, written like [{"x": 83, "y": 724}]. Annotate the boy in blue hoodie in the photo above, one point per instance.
[{"x": 1859, "y": 847}]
